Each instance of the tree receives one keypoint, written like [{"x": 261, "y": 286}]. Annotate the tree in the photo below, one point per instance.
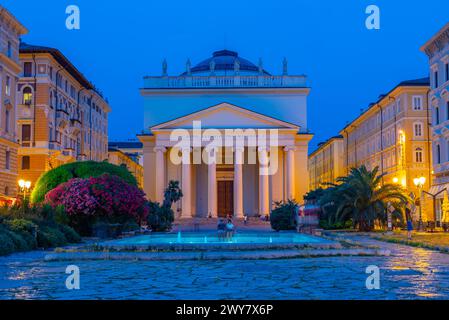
[
  {"x": 172, "y": 193},
  {"x": 362, "y": 197},
  {"x": 161, "y": 217},
  {"x": 80, "y": 169}
]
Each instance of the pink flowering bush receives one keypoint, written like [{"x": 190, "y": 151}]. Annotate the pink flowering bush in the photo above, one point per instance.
[{"x": 105, "y": 198}]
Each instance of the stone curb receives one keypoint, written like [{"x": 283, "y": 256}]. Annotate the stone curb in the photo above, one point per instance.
[
  {"x": 169, "y": 256},
  {"x": 415, "y": 244}
]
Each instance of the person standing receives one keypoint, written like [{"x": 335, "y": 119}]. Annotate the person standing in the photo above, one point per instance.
[{"x": 408, "y": 217}]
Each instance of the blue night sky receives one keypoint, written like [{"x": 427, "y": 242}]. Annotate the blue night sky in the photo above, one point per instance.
[{"x": 348, "y": 66}]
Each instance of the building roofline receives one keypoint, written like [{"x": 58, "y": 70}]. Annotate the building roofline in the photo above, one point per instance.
[
  {"x": 421, "y": 82},
  {"x": 63, "y": 61},
  {"x": 21, "y": 27},
  {"x": 434, "y": 37},
  {"x": 324, "y": 143},
  {"x": 234, "y": 106}
]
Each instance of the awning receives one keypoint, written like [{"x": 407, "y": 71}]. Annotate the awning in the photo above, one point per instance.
[{"x": 438, "y": 188}]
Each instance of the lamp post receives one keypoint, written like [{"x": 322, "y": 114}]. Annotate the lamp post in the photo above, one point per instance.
[
  {"x": 419, "y": 183},
  {"x": 24, "y": 187}
]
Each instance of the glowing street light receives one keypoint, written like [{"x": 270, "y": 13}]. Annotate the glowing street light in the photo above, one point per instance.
[
  {"x": 419, "y": 183},
  {"x": 395, "y": 180},
  {"x": 24, "y": 187}
]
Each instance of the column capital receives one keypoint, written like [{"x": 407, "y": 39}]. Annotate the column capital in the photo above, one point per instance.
[
  {"x": 160, "y": 149},
  {"x": 262, "y": 149},
  {"x": 289, "y": 148}
]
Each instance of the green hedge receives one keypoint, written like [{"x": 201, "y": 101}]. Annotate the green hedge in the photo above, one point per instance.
[
  {"x": 81, "y": 169},
  {"x": 23, "y": 235}
]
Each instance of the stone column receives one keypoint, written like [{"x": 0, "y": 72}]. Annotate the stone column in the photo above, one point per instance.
[
  {"x": 186, "y": 184},
  {"x": 264, "y": 199},
  {"x": 238, "y": 182},
  {"x": 290, "y": 171},
  {"x": 212, "y": 187},
  {"x": 160, "y": 173}
]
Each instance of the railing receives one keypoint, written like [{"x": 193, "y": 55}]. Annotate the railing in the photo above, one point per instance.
[
  {"x": 68, "y": 152},
  {"x": 226, "y": 82},
  {"x": 25, "y": 143}
]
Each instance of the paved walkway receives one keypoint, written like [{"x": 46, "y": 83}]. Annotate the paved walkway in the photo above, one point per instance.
[{"x": 409, "y": 273}]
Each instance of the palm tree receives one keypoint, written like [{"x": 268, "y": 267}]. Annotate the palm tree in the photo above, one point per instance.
[
  {"x": 172, "y": 193},
  {"x": 363, "y": 197}
]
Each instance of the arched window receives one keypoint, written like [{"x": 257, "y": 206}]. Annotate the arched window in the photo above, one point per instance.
[
  {"x": 418, "y": 155},
  {"x": 27, "y": 96}
]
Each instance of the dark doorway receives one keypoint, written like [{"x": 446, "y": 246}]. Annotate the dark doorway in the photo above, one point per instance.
[{"x": 225, "y": 190}]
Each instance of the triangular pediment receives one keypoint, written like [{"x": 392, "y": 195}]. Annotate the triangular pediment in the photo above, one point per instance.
[{"x": 226, "y": 116}]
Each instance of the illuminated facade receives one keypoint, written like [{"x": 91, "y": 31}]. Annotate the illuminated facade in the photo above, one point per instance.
[
  {"x": 61, "y": 116},
  {"x": 10, "y": 32},
  {"x": 393, "y": 134},
  {"x": 226, "y": 92},
  {"x": 130, "y": 160},
  {"x": 437, "y": 50},
  {"x": 326, "y": 163}
]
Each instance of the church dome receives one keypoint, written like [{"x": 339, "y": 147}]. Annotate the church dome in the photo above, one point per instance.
[{"x": 223, "y": 62}]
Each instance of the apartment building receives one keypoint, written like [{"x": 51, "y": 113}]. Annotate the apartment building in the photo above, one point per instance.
[
  {"x": 437, "y": 50},
  {"x": 326, "y": 163},
  {"x": 61, "y": 117},
  {"x": 120, "y": 158},
  {"x": 10, "y": 32},
  {"x": 393, "y": 134}
]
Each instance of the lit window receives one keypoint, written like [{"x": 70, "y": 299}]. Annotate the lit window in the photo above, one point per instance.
[
  {"x": 27, "y": 96},
  {"x": 8, "y": 86},
  {"x": 418, "y": 155}
]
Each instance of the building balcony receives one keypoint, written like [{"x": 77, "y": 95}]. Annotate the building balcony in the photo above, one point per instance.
[
  {"x": 54, "y": 145},
  {"x": 69, "y": 152},
  {"x": 25, "y": 112},
  {"x": 25, "y": 144},
  {"x": 225, "y": 82}
]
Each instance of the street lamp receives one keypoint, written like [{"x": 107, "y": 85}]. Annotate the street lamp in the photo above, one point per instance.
[
  {"x": 24, "y": 187},
  {"x": 419, "y": 183}
]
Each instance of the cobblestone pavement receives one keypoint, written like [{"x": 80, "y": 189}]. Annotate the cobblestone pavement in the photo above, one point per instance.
[{"x": 409, "y": 273}]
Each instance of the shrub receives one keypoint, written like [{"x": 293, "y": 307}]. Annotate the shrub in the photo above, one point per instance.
[
  {"x": 48, "y": 237},
  {"x": 105, "y": 198},
  {"x": 283, "y": 217},
  {"x": 22, "y": 225},
  {"x": 69, "y": 233},
  {"x": 11, "y": 241},
  {"x": 6, "y": 243},
  {"x": 336, "y": 225},
  {"x": 26, "y": 229},
  {"x": 160, "y": 218},
  {"x": 83, "y": 170}
]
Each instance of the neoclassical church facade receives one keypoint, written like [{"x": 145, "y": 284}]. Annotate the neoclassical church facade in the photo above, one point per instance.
[{"x": 234, "y": 135}]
